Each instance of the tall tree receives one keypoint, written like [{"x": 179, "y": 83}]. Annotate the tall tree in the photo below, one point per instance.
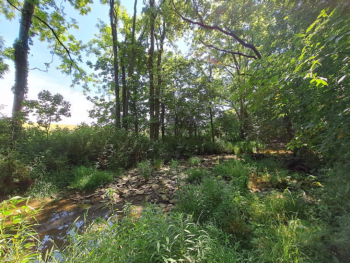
[
  {"x": 151, "y": 69},
  {"x": 114, "y": 21},
  {"x": 48, "y": 21}
]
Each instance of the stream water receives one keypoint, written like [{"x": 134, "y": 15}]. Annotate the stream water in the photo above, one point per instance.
[{"x": 59, "y": 219}]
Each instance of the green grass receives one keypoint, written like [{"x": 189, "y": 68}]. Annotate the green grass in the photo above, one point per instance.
[
  {"x": 18, "y": 240},
  {"x": 194, "y": 161},
  {"x": 217, "y": 219},
  {"x": 152, "y": 237},
  {"x": 195, "y": 175},
  {"x": 158, "y": 163},
  {"x": 87, "y": 178}
]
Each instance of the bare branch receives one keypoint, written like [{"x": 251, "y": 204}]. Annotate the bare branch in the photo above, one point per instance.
[
  {"x": 226, "y": 32},
  {"x": 227, "y": 51}
]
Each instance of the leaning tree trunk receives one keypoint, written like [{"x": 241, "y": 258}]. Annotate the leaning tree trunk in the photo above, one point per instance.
[
  {"x": 114, "y": 21},
  {"x": 21, "y": 58}
]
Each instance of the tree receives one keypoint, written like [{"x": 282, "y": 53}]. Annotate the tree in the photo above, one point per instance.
[
  {"x": 49, "y": 108},
  {"x": 47, "y": 20}
]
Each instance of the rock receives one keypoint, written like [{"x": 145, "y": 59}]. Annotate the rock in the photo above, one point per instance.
[
  {"x": 173, "y": 201},
  {"x": 126, "y": 195},
  {"x": 162, "y": 205},
  {"x": 164, "y": 198},
  {"x": 166, "y": 181},
  {"x": 147, "y": 198},
  {"x": 155, "y": 187},
  {"x": 115, "y": 196},
  {"x": 140, "y": 192}
]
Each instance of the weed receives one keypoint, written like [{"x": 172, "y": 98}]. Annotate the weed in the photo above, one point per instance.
[
  {"x": 194, "y": 161},
  {"x": 18, "y": 240},
  {"x": 144, "y": 169},
  {"x": 86, "y": 178},
  {"x": 158, "y": 163},
  {"x": 196, "y": 175}
]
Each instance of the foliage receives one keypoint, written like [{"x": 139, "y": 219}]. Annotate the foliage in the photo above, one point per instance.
[
  {"x": 144, "y": 169},
  {"x": 194, "y": 161},
  {"x": 49, "y": 108},
  {"x": 86, "y": 178},
  {"x": 18, "y": 240},
  {"x": 158, "y": 163},
  {"x": 196, "y": 175},
  {"x": 152, "y": 237}
]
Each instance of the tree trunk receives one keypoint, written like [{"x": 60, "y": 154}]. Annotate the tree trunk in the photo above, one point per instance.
[
  {"x": 150, "y": 68},
  {"x": 156, "y": 101},
  {"x": 211, "y": 124},
  {"x": 241, "y": 120},
  {"x": 114, "y": 21},
  {"x": 21, "y": 49},
  {"x": 159, "y": 72},
  {"x": 131, "y": 65},
  {"x": 163, "y": 120},
  {"x": 124, "y": 96}
]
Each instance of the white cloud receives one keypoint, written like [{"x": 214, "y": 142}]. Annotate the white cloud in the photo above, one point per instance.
[{"x": 38, "y": 81}]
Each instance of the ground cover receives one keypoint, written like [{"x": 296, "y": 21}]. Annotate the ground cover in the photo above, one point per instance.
[{"x": 218, "y": 208}]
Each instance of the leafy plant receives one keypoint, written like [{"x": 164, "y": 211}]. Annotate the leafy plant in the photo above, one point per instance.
[
  {"x": 49, "y": 108},
  {"x": 86, "y": 178},
  {"x": 194, "y": 161},
  {"x": 18, "y": 240},
  {"x": 196, "y": 175},
  {"x": 158, "y": 163},
  {"x": 144, "y": 169}
]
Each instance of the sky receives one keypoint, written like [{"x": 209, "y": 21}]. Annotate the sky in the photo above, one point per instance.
[{"x": 54, "y": 80}]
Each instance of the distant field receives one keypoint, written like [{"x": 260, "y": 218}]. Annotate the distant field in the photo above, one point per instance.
[{"x": 54, "y": 126}]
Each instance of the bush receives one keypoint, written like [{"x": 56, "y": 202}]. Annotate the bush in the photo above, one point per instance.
[
  {"x": 211, "y": 201},
  {"x": 86, "y": 178},
  {"x": 194, "y": 161},
  {"x": 144, "y": 169},
  {"x": 235, "y": 171},
  {"x": 158, "y": 163},
  {"x": 196, "y": 175}
]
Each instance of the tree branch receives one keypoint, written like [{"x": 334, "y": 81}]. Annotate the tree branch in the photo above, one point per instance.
[
  {"x": 226, "y": 32},
  {"x": 226, "y": 51},
  {"x": 55, "y": 35}
]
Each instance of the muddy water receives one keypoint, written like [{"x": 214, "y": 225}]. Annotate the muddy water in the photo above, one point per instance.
[{"x": 57, "y": 219}]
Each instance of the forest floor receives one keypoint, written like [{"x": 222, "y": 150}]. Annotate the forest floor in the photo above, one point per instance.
[{"x": 78, "y": 208}]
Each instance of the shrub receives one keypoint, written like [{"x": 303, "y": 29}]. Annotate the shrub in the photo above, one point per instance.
[
  {"x": 144, "y": 169},
  {"x": 158, "y": 163},
  {"x": 194, "y": 161},
  {"x": 211, "y": 201},
  {"x": 196, "y": 175},
  {"x": 86, "y": 178},
  {"x": 235, "y": 171}
]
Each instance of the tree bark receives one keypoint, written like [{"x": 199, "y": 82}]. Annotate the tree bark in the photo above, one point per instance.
[
  {"x": 159, "y": 72},
  {"x": 151, "y": 75},
  {"x": 131, "y": 64},
  {"x": 114, "y": 21},
  {"x": 21, "y": 48},
  {"x": 163, "y": 120},
  {"x": 124, "y": 95},
  {"x": 211, "y": 124}
]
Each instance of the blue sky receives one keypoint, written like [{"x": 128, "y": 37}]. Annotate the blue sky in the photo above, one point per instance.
[{"x": 54, "y": 80}]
